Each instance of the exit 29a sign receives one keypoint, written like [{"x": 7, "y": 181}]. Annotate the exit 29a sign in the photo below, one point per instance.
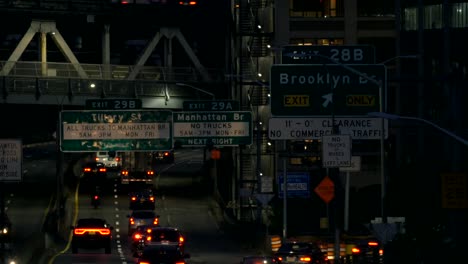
[
  {"x": 211, "y": 105},
  {"x": 212, "y": 128}
]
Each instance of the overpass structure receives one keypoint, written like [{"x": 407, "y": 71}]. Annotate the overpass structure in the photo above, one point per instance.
[{"x": 72, "y": 82}]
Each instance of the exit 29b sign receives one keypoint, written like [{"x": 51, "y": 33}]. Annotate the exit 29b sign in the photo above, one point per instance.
[{"x": 113, "y": 104}]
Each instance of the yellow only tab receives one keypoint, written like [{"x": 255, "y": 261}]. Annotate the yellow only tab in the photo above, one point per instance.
[{"x": 361, "y": 100}]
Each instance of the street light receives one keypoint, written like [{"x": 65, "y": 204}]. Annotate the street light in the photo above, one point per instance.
[
  {"x": 197, "y": 89},
  {"x": 397, "y": 117}
]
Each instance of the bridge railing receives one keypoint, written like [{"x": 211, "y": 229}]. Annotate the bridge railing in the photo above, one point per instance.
[
  {"x": 102, "y": 80},
  {"x": 31, "y": 69}
]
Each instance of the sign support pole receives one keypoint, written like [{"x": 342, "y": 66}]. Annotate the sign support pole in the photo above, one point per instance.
[
  {"x": 285, "y": 195},
  {"x": 2, "y": 215},
  {"x": 346, "y": 212}
]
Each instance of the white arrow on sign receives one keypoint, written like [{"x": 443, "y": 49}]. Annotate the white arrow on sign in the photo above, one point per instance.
[{"x": 328, "y": 99}]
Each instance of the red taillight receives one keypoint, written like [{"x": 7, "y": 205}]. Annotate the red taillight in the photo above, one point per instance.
[
  {"x": 151, "y": 198},
  {"x": 117, "y": 159},
  {"x": 181, "y": 240},
  {"x": 166, "y": 153},
  {"x": 180, "y": 262},
  {"x": 143, "y": 262},
  {"x": 156, "y": 221},
  {"x": 102, "y": 169},
  {"x": 305, "y": 259},
  {"x": 381, "y": 252},
  {"x": 133, "y": 198},
  {"x": 148, "y": 238},
  {"x": 81, "y": 231},
  {"x": 96, "y": 197},
  {"x": 372, "y": 243},
  {"x": 150, "y": 173},
  {"x": 97, "y": 159},
  {"x": 137, "y": 236},
  {"x": 355, "y": 250},
  {"x": 280, "y": 258},
  {"x": 87, "y": 169},
  {"x": 132, "y": 221},
  {"x": 124, "y": 173}
]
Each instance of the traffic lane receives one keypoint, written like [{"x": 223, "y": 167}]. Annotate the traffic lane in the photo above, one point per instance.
[
  {"x": 110, "y": 209},
  {"x": 27, "y": 205},
  {"x": 187, "y": 204}
]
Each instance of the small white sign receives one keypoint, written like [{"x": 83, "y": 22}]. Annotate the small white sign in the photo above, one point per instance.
[
  {"x": 355, "y": 165},
  {"x": 266, "y": 184},
  {"x": 336, "y": 151},
  {"x": 11, "y": 160}
]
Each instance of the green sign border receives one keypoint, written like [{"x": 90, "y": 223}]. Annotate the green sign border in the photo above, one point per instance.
[
  {"x": 70, "y": 116},
  {"x": 318, "y": 54},
  {"x": 316, "y": 91},
  {"x": 208, "y": 103},
  {"x": 183, "y": 141}
]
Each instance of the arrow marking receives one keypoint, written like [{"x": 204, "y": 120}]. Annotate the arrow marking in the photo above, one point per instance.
[{"x": 328, "y": 99}]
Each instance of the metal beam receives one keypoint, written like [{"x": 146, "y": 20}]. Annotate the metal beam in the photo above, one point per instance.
[
  {"x": 145, "y": 55},
  {"x": 189, "y": 51},
  {"x": 22, "y": 45},
  {"x": 67, "y": 52}
]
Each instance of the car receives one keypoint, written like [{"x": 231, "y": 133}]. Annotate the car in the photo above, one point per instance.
[
  {"x": 94, "y": 171},
  {"x": 166, "y": 236},
  {"x": 137, "y": 177},
  {"x": 110, "y": 159},
  {"x": 163, "y": 254},
  {"x": 301, "y": 252},
  {"x": 137, "y": 240},
  {"x": 166, "y": 156},
  {"x": 257, "y": 259},
  {"x": 141, "y": 218},
  {"x": 143, "y": 199},
  {"x": 91, "y": 233},
  {"x": 367, "y": 250},
  {"x": 5, "y": 228}
]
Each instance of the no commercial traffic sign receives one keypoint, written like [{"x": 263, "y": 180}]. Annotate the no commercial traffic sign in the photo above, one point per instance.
[
  {"x": 323, "y": 90},
  {"x": 297, "y": 128}
]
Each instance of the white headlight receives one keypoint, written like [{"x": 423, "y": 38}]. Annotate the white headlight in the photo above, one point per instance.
[{"x": 5, "y": 230}]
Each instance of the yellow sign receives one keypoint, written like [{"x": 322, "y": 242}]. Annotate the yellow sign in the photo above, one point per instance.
[
  {"x": 361, "y": 100},
  {"x": 296, "y": 100},
  {"x": 454, "y": 191}
]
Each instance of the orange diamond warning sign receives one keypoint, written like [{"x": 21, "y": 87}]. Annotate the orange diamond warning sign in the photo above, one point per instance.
[{"x": 326, "y": 189}]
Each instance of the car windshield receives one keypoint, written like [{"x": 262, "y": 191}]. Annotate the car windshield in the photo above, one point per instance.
[
  {"x": 259, "y": 260},
  {"x": 298, "y": 247},
  {"x": 164, "y": 235},
  {"x": 143, "y": 214},
  {"x": 91, "y": 223}
]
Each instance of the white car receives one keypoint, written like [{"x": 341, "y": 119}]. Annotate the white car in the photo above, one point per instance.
[{"x": 110, "y": 160}]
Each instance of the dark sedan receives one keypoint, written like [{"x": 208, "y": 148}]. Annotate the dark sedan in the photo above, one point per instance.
[
  {"x": 301, "y": 252},
  {"x": 163, "y": 254},
  {"x": 143, "y": 199},
  {"x": 260, "y": 260},
  {"x": 92, "y": 233}
]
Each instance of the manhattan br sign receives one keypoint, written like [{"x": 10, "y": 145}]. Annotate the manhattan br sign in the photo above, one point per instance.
[
  {"x": 213, "y": 128},
  {"x": 325, "y": 90},
  {"x": 125, "y": 130}
]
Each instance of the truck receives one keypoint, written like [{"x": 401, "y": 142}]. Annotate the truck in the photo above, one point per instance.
[{"x": 136, "y": 168}]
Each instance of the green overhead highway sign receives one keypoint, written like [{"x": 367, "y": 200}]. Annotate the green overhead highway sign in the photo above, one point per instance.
[
  {"x": 357, "y": 54},
  {"x": 211, "y": 105},
  {"x": 212, "y": 128},
  {"x": 326, "y": 89},
  {"x": 113, "y": 104},
  {"x": 125, "y": 130}
]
